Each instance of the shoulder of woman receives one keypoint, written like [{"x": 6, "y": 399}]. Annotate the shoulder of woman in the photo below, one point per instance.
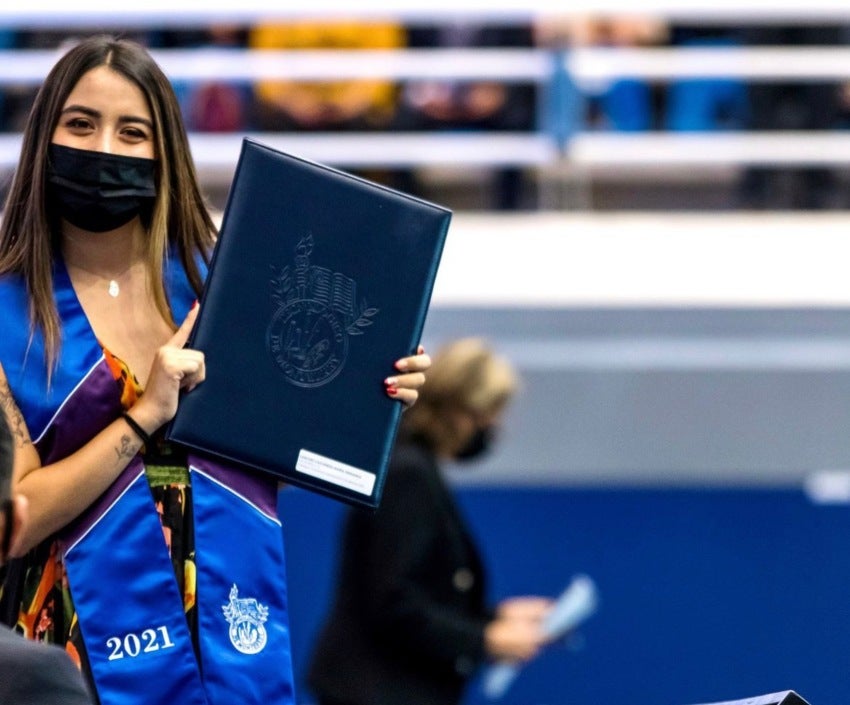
[
  {"x": 412, "y": 455},
  {"x": 12, "y": 285},
  {"x": 413, "y": 471}
]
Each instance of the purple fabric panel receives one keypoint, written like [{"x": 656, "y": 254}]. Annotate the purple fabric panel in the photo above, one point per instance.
[
  {"x": 92, "y": 406},
  {"x": 75, "y": 530},
  {"x": 260, "y": 490}
]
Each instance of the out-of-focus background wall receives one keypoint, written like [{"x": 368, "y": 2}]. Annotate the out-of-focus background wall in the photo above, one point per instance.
[{"x": 651, "y": 222}]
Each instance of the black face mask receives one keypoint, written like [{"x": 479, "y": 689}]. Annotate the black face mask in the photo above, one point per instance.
[
  {"x": 97, "y": 191},
  {"x": 478, "y": 444}
]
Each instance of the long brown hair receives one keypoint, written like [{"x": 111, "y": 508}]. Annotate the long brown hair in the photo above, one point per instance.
[{"x": 29, "y": 233}]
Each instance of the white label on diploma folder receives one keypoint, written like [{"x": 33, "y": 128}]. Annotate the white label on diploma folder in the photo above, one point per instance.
[{"x": 335, "y": 472}]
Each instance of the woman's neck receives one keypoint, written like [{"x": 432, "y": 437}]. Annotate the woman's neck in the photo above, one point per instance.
[{"x": 107, "y": 254}]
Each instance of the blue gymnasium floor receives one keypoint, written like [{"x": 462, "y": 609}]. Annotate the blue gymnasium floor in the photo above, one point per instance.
[{"x": 705, "y": 595}]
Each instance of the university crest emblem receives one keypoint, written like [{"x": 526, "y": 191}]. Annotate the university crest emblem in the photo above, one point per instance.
[
  {"x": 315, "y": 313},
  {"x": 246, "y": 617}
]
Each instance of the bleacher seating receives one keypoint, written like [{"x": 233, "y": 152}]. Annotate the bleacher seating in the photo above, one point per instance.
[{"x": 563, "y": 157}]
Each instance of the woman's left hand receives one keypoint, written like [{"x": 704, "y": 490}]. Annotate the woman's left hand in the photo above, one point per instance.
[{"x": 405, "y": 385}]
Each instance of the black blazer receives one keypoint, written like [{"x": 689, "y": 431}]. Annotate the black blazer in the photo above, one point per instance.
[
  {"x": 38, "y": 674},
  {"x": 407, "y": 623}
]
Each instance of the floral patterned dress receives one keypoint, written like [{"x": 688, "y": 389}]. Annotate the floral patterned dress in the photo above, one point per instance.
[{"x": 47, "y": 611}]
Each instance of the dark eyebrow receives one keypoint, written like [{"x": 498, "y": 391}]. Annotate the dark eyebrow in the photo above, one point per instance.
[
  {"x": 81, "y": 109},
  {"x": 97, "y": 114}
]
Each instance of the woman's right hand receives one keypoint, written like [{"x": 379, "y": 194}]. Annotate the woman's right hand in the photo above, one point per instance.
[
  {"x": 513, "y": 640},
  {"x": 516, "y": 634},
  {"x": 530, "y": 607},
  {"x": 174, "y": 368}
]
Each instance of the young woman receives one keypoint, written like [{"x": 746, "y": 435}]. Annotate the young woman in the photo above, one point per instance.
[{"x": 104, "y": 245}]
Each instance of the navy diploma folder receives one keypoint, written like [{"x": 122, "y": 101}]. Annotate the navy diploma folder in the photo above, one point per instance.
[{"x": 319, "y": 281}]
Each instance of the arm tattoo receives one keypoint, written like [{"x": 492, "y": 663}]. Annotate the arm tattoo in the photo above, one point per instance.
[
  {"x": 127, "y": 449},
  {"x": 17, "y": 425}
]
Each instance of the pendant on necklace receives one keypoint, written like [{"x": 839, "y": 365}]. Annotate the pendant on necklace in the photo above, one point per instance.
[{"x": 113, "y": 289}]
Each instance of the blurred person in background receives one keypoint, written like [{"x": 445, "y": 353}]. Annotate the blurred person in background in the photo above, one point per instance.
[
  {"x": 410, "y": 623},
  {"x": 9, "y": 39},
  {"x": 211, "y": 105},
  {"x": 360, "y": 104},
  {"x": 621, "y": 104},
  {"x": 704, "y": 104},
  {"x": 350, "y": 105},
  {"x": 30, "y": 673},
  {"x": 471, "y": 105},
  {"x": 793, "y": 106}
]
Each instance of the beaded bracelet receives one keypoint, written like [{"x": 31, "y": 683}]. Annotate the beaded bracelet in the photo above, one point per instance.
[{"x": 138, "y": 430}]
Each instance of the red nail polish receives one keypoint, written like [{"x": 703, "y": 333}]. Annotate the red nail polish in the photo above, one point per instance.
[{"x": 392, "y": 391}]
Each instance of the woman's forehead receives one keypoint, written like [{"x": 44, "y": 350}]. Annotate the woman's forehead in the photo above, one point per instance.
[{"x": 105, "y": 89}]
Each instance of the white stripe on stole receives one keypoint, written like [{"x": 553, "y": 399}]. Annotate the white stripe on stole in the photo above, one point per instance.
[
  {"x": 65, "y": 400},
  {"x": 140, "y": 474},
  {"x": 247, "y": 501}
]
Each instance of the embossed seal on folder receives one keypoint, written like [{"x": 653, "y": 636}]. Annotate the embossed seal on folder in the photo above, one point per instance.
[{"x": 315, "y": 312}]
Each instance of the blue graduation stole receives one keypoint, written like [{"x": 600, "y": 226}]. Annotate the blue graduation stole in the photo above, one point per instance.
[{"x": 128, "y": 604}]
